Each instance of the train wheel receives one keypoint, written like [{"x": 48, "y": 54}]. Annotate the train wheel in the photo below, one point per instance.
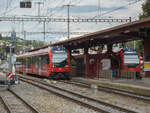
[
  {"x": 57, "y": 76},
  {"x": 62, "y": 76},
  {"x": 67, "y": 77}
]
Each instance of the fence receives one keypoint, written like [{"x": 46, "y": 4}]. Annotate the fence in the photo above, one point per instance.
[{"x": 114, "y": 74}]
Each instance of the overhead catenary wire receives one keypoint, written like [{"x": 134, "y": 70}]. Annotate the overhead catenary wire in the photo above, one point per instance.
[
  {"x": 58, "y": 3},
  {"x": 108, "y": 12}
]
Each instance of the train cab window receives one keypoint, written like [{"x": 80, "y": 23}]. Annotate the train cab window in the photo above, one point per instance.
[
  {"x": 131, "y": 60},
  {"x": 59, "y": 57}
]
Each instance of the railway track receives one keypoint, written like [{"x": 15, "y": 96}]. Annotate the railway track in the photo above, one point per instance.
[
  {"x": 109, "y": 90},
  {"x": 15, "y": 104},
  {"x": 91, "y": 103},
  {"x": 112, "y": 90}
]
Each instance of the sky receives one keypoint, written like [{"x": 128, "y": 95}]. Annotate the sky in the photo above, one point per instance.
[{"x": 57, "y": 9}]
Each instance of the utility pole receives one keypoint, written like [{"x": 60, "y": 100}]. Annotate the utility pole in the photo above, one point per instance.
[
  {"x": 24, "y": 33},
  {"x": 99, "y": 7},
  {"x": 44, "y": 26},
  {"x": 68, "y": 19},
  {"x": 39, "y": 7},
  {"x": 12, "y": 60},
  {"x": 39, "y": 14}
]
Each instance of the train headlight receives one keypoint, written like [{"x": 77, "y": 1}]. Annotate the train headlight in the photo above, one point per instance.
[{"x": 66, "y": 65}]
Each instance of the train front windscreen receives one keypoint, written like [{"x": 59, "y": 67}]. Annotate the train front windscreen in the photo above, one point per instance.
[
  {"x": 59, "y": 57},
  {"x": 131, "y": 60}
]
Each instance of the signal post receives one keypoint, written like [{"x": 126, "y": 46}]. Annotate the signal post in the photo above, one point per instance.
[{"x": 14, "y": 78}]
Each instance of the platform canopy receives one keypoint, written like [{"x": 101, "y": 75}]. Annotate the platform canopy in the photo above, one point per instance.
[{"x": 137, "y": 30}]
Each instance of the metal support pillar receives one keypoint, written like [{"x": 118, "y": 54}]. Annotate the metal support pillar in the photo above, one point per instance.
[
  {"x": 39, "y": 7},
  {"x": 109, "y": 48},
  {"x": 24, "y": 72},
  {"x": 109, "y": 51},
  {"x": 86, "y": 61},
  {"x": 147, "y": 54},
  {"x": 44, "y": 30}
]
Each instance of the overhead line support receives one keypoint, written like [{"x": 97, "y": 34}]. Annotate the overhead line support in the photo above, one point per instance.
[{"x": 47, "y": 19}]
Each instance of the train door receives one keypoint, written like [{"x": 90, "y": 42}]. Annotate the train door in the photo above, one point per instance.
[
  {"x": 34, "y": 66},
  {"x": 45, "y": 65},
  {"x": 39, "y": 65},
  {"x": 92, "y": 67}
]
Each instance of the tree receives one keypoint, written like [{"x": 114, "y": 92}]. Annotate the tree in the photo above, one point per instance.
[
  {"x": 146, "y": 10},
  {"x": 139, "y": 47}
]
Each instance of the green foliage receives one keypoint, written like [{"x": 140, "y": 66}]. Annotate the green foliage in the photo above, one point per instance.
[
  {"x": 139, "y": 47},
  {"x": 146, "y": 10},
  {"x": 37, "y": 44},
  {"x": 21, "y": 44},
  {"x": 129, "y": 44}
]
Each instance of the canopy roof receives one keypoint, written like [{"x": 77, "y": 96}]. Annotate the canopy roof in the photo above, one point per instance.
[{"x": 137, "y": 30}]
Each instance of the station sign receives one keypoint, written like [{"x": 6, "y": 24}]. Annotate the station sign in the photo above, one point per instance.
[
  {"x": 146, "y": 66},
  {"x": 106, "y": 64}
]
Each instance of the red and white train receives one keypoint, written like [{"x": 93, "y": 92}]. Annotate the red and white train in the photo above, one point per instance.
[
  {"x": 52, "y": 62},
  {"x": 130, "y": 60}
]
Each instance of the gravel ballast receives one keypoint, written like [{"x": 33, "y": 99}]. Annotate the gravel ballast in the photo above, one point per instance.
[{"x": 47, "y": 102}]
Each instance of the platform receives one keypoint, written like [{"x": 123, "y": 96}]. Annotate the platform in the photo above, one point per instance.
[{"x": 141, "y": 87}]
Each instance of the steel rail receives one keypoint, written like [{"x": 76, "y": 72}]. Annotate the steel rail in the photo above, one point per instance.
[
  {"x": 8, "y": 108},
  {"x": 25, "y": 102},
  {"x": 113, "y": 90},
  {"x": 6, "y": 105},
  {"x": 80, "y": 96}
]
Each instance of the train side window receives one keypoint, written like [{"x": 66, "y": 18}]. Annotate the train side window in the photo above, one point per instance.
[
  {"x": 23, "y": 61},
  {"x": 18, "y": 61},
  {"x": 45, "y": 59},
  {"x": 40, "y": 60},
  {"x": 34, "y": 59},
  {"x": 28, "y": 61}
]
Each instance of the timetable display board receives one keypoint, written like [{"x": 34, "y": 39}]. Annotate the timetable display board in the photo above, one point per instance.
[{"x": 146, "y": 66}]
